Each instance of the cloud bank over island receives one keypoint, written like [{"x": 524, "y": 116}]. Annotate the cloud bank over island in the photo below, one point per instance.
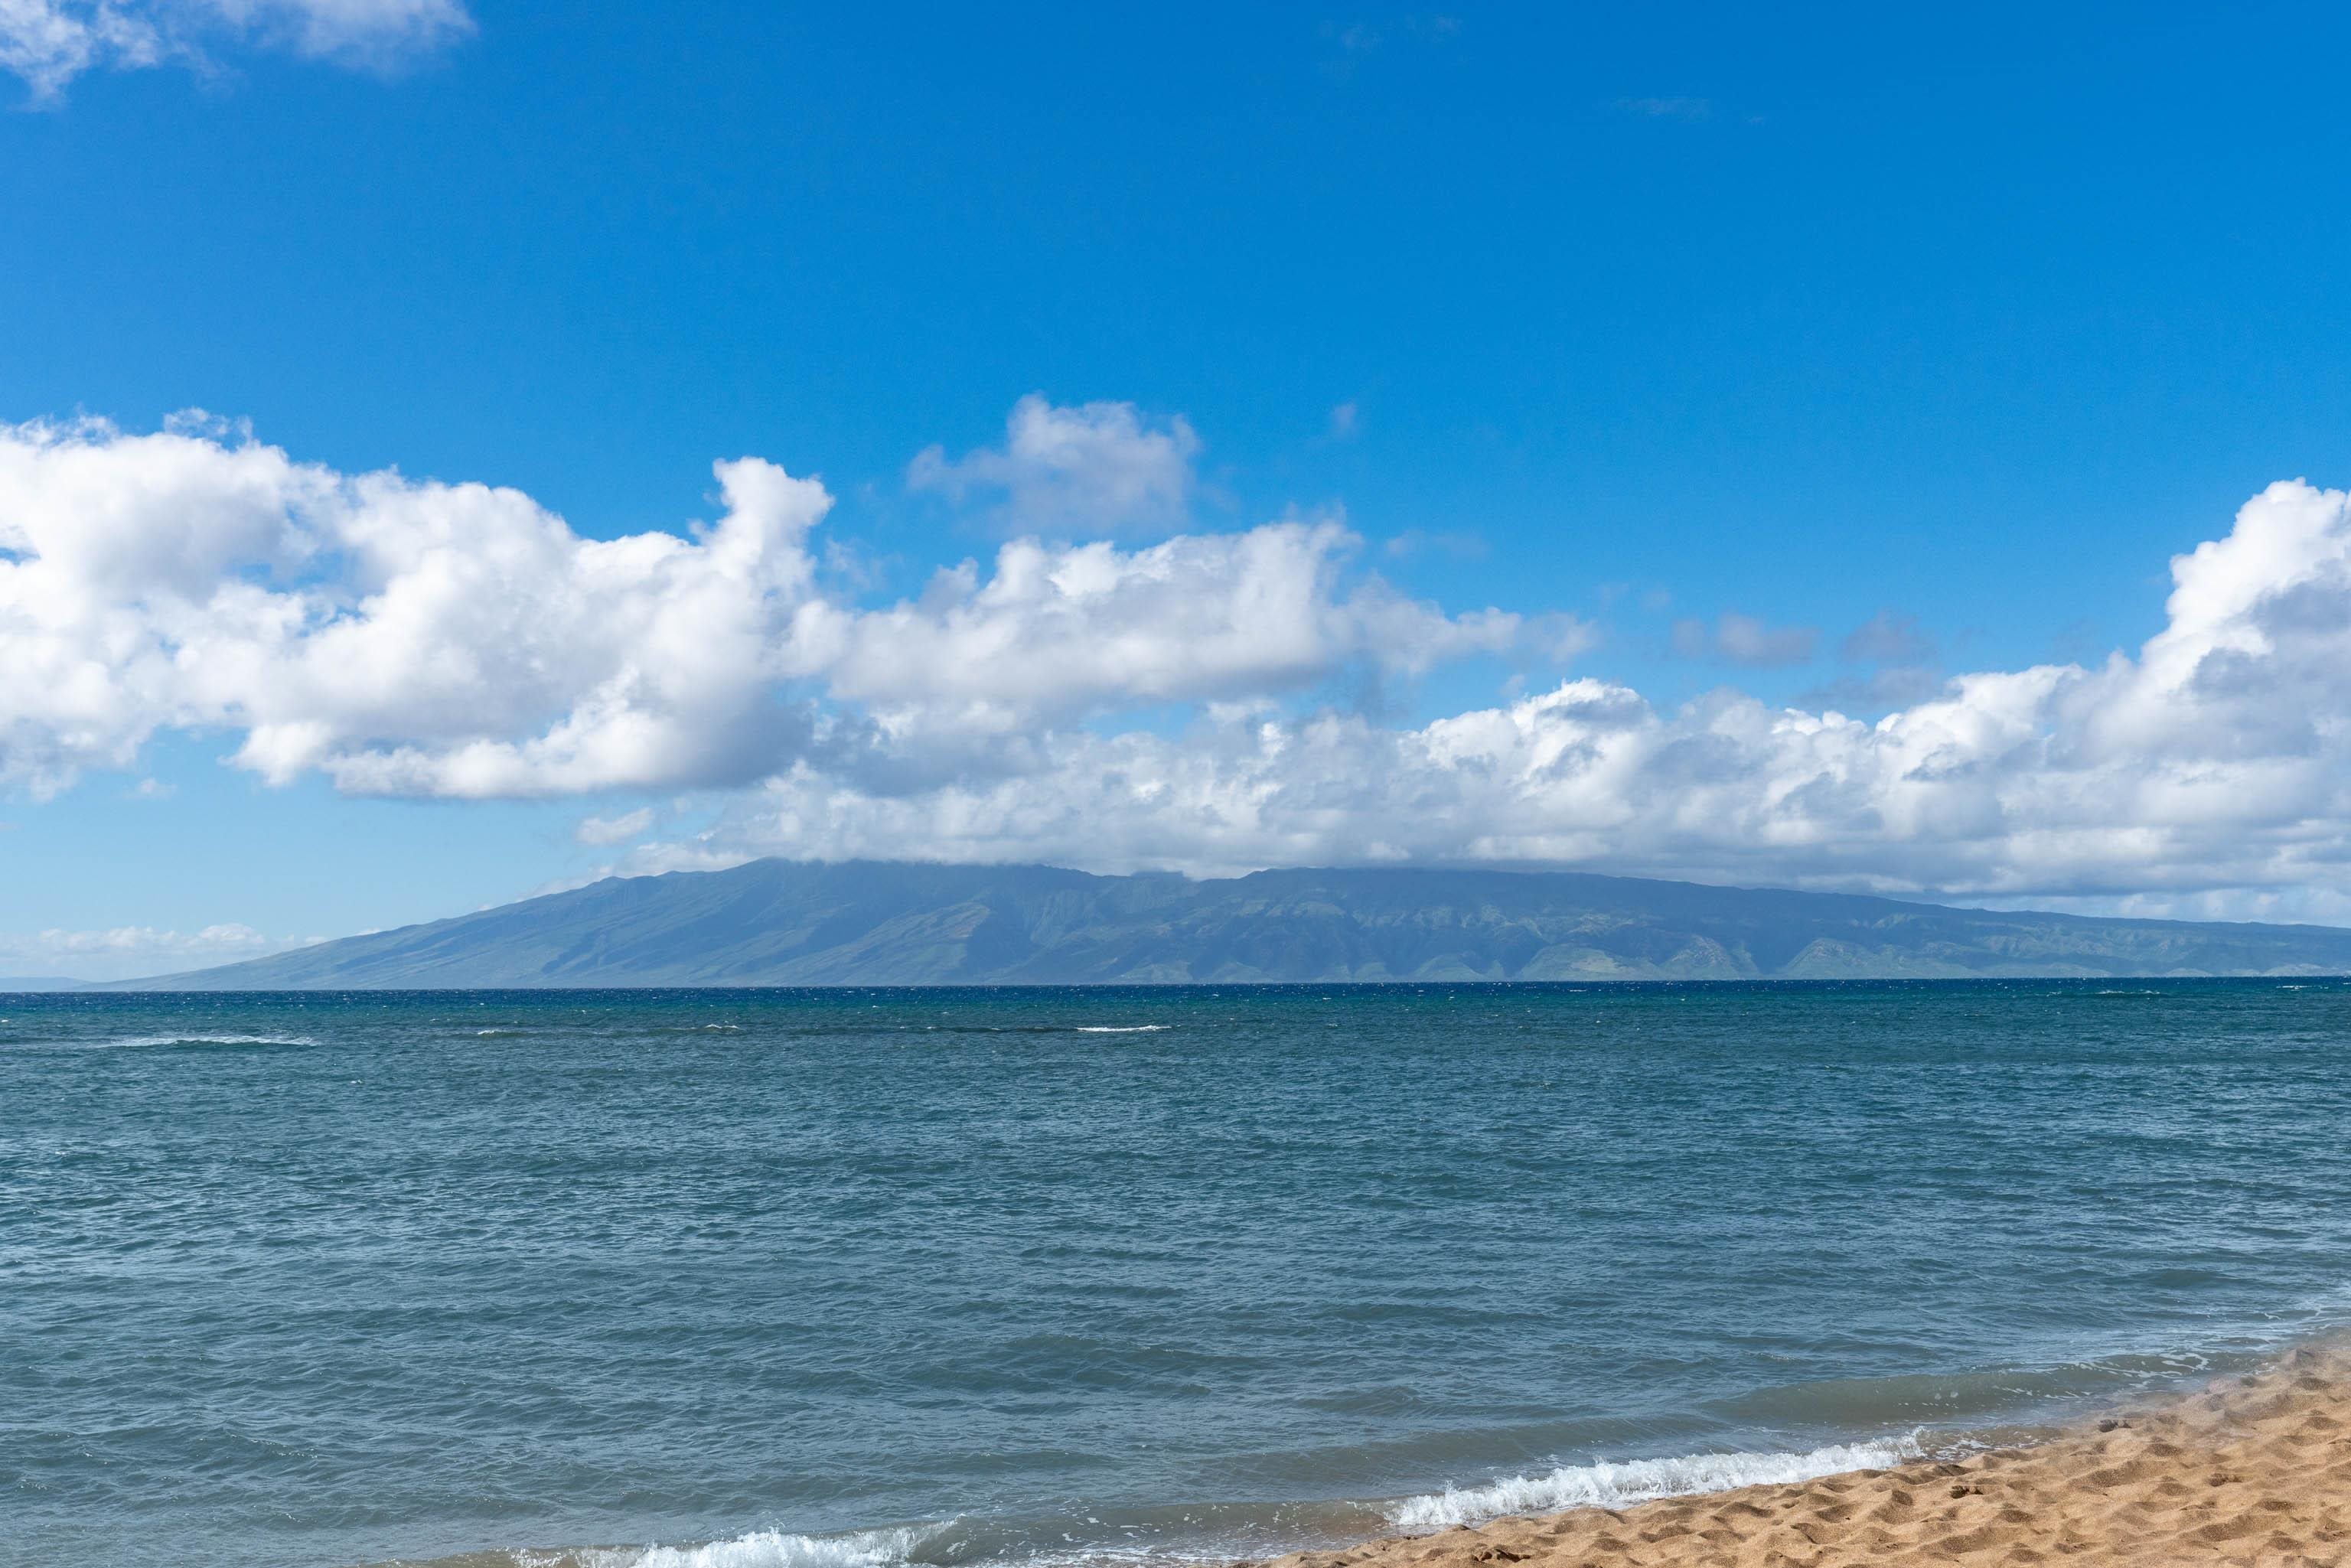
[
  {"x": 126, "y": 950},
  {"x": 1124, "y": 704}
]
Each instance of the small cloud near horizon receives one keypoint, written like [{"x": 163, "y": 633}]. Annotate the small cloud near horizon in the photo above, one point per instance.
[{"x": 134, "y": 952}]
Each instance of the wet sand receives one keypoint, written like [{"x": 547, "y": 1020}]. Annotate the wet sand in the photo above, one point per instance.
[{"x": 2249, "y": 1470}]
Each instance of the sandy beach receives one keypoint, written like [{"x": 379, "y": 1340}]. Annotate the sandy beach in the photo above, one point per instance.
[{"x": 2249, "y": 1470}]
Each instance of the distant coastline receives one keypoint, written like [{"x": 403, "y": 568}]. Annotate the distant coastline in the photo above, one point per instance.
[{"x": 779, "y": 923}]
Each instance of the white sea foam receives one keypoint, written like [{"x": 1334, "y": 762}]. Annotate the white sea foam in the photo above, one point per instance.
[
  {"x": 1120, "y": 1028},
  {"x": 776, "y": 1549},
  {"x": 137, "y": 1040},
  {"x": 1605, "y": 1485}
]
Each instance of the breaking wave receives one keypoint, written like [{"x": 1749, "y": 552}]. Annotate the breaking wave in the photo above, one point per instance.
[
  {"x": 1599, "y": 1485},
  {"x": 1605, "y": 1485},
  {"x": 759, "y": 1549}
]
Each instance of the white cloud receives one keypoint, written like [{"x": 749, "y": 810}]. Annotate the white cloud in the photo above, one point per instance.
[
  {"x": 1094, "y": 466},
  {"x": 2212, "y": 774},
  {"x": 402, "y": 637},
  {"x": 1110, "y": 707},
  {"x": 410, "y": 637},
  {"x": 47, "y": 43},
  {"x": 1057, "y": 631},
  {"x": 124, "y": 952},
  {"x": 614, "y": 829}
]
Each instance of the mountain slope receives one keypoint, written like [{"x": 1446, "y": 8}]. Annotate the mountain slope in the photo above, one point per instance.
[{"x": 868, "y": 923}]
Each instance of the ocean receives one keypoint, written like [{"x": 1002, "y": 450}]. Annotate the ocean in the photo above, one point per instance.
[{"x": 850, "y": 1278}]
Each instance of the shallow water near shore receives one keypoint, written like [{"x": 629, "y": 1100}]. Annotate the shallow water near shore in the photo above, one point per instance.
[{"x": 841, "y": 1279}]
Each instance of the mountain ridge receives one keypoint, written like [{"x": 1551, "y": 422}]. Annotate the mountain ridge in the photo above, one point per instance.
[{"x": 775, "y": 921}]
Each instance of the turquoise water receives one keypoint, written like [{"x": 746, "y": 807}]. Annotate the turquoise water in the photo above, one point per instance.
[{"x": 852, "y": 1278}]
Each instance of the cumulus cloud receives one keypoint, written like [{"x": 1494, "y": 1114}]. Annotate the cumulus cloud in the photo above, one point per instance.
[
  {"x": 47, "y": 43},
  {"x": 402, "y": 637},
  {"x": 1108, "y": 706},
  {"x": 2212, "y": 773},
  {"x": 410, "y": 637},
  {"x": 1055, "y": 631},
  {"x": 1095, "y": 465}
]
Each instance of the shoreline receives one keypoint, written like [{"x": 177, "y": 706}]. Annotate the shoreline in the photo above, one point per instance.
[
  {"x": 2253, "y": 1470},
  {"x": 2247, "y": 1468}
]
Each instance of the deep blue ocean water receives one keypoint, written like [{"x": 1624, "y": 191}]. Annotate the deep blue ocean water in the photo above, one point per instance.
[{"x": 845, "y": 1277}]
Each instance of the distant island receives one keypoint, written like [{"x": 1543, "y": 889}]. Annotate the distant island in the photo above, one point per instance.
[{"x": 782, "y": 922}]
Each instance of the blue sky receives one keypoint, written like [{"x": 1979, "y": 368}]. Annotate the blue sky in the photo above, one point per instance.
[{"x": 1617, "y": 321}]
